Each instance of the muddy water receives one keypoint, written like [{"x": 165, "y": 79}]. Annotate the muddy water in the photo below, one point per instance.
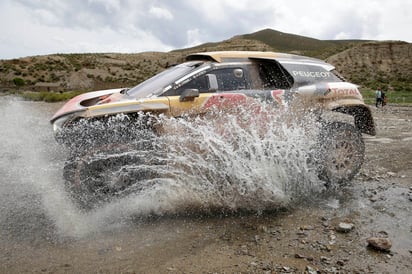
[{"x": 41, "y": 230}]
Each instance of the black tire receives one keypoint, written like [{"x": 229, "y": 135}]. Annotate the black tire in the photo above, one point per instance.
[
  {"x": 108, "y": 172},
  {"x": 341, "y": 152}
]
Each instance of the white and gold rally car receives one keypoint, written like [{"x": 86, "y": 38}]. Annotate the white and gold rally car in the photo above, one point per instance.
[{"x": 227, "y": 80}]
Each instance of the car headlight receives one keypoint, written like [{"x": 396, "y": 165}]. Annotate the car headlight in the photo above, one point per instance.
[{"x": 58, "y": 124}]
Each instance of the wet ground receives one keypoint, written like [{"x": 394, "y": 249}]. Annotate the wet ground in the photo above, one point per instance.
[{"x": 41, "y": 231}]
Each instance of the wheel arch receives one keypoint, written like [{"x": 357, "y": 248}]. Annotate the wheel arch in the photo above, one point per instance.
[{"x": 362, "y": 117}]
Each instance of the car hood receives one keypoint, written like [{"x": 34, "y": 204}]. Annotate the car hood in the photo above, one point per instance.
[{"x": 83, "y": 101}]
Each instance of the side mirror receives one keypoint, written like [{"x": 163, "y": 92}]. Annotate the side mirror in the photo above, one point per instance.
[
  {"x": 189, "y": 95},
  {"x": 212, "y": 80}
]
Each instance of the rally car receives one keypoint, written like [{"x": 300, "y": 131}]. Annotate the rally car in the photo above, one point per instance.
[{"x": 208, "y": 81}]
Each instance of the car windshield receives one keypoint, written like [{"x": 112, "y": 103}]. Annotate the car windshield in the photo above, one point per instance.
[{"x": 156, "y": 84}]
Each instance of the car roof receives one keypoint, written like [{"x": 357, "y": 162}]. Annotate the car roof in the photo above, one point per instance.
[
  {"x": 220, "y": 56},
  {"x": 225, "y": 56}
]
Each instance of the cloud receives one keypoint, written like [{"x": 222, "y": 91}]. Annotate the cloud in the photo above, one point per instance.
[
  {"x": 32, "y": 27},
  {"x": 161, "y": 13}
]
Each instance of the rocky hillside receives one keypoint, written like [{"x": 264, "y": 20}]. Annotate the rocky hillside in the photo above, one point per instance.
[
  {"x": 388, "y": 64},
  {"x": 64, "y": 72},
  {"x": 366, "y": 63}
]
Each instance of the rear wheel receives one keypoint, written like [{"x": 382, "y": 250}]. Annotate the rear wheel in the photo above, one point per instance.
[{"x": 341, "y": 153}]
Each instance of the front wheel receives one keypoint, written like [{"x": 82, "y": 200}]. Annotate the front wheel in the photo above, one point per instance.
[
  {"x": 109, "y": 172},
  {"x": 341, "y": 152}
]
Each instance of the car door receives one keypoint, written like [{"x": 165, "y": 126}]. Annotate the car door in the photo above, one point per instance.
[{"x": 191, "y": 96}]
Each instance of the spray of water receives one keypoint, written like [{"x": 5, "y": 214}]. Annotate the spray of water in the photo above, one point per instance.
[
  {"x": 234, "y": 161},
  {"x": 223, "y": 162}
]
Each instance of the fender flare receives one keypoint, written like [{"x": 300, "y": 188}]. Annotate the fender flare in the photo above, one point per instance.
[{"x": 362, "y": 117}]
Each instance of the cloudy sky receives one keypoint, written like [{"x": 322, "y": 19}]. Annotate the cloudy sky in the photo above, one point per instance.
[{"x": 37, "y": 27}]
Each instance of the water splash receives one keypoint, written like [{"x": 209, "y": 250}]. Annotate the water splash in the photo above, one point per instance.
[
  {"x": 235, "y": 161},
  {"x": 239, "y": 163}
]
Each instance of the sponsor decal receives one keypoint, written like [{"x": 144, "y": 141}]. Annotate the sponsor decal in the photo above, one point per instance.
[
  {"x": 278, "y": 96},
  {"x": 345, "y": 91},
  {"x": 225, "y": 100},
  {"x": 311, "y": 74}
]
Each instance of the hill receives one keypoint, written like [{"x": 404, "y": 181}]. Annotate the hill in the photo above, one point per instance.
[
  {"x": 372, "y": 64},
  {"x": 286, "y": 42},
  {"x": 368, "y": 63}
]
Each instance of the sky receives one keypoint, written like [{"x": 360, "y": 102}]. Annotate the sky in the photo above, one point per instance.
[{"x": 40, "y": 27}]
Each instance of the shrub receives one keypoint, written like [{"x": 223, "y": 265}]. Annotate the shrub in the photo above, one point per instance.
[{"x": 18, "y": 81}]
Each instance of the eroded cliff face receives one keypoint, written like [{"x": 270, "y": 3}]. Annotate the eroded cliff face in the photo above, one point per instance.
[{"x": 374, "y": 63}]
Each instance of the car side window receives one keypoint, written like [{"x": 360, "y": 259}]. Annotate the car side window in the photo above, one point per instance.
[
  {"x": 230, "y": 79},
  {"x": 273, "y": 76},
  {"x": 200, "y": 83},
  {"x": 227, "y": 79}
]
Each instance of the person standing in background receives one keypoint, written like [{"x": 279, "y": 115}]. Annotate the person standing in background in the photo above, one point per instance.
[{"x": 378, "y": 95}]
